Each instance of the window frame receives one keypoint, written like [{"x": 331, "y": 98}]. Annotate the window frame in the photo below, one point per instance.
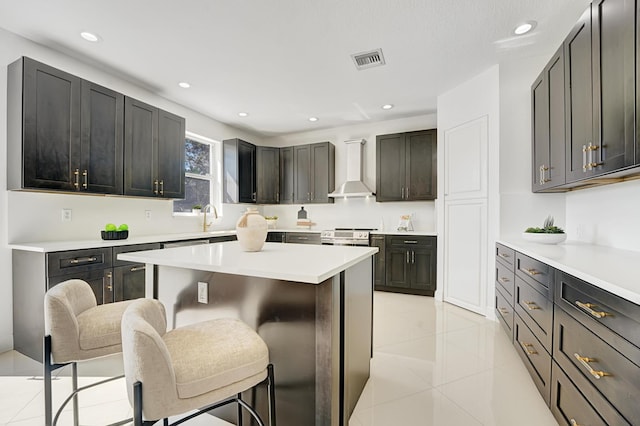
[{"x": 215, "y": 172}]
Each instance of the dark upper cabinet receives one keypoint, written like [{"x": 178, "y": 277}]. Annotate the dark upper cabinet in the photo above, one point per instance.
[
  {"x": 287, "y": 192},
  {"x": 154, "y": 151},
  {"x": 548, "y": 125},
  {"x": 314, "y": 172},
  {"x": 239, "y": 176},
  {"x": 43, "y": 127},
  {"x": 268, "y": 175},
  {"x": 406, "y": 165},
  {"x": 102, "y": 136},
  {"x": 600, "y": 73}
]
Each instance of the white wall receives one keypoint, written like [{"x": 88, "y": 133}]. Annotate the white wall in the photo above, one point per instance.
[
  {"x": 358, "y": 212},
  {"x": 519, "y": 207},
  {"x": 28, "y": 216},
  {"x": 606, "y": 215}
]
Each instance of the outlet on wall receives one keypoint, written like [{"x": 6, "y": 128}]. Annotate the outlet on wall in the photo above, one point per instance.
[
  {"x": 203, "y": 292},
  {"x": 147, "y": 214},
  {"x": 66, "y": 215}
]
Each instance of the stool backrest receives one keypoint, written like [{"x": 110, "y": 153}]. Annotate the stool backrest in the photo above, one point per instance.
[
  {"x": 146, "y": 357},
  {"x": 62, "y": 304}
]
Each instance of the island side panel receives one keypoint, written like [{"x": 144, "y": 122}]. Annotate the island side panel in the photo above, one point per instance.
[{"x": 282, "y": 312}]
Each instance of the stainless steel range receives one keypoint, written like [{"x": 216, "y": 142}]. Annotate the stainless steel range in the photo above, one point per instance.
[{"x": 346, "y": 237}]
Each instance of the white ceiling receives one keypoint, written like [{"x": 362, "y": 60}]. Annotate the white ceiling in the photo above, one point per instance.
[{"x": 283, "y": 61}]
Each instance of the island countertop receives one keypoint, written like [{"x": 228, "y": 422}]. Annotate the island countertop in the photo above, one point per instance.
[{"x": 291, "y": 262}]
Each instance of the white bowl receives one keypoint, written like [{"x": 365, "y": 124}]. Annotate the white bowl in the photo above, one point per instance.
[{"x": 544, "y": 238}]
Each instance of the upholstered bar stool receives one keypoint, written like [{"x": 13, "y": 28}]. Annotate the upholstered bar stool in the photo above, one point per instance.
[
  {"x": 207, "y": 364},
  {"x": 77, "y": 329}
]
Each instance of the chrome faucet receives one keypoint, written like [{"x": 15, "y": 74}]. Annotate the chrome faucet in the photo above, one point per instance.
[{"x": 206, "y": 225}]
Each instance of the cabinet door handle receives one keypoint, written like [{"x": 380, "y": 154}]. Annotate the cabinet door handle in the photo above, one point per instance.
[
  {"x": 588, "y": 307},
  {"x": 413, "y": 256},
  {"x": 277, "y": 197},
  {"x": 79, "y": 260},
  {"x": 527, "y": 348},
  {"x": 543, "y": 177},
  {"x": 531, "y": 305},
  {"x": 253, "y": 196},
  {"x": 406, "y": 193},
  {"x": 138, "y": 268},
  {"x": 155, "y": 186},
  {"x": 573, "y": 422},
  {"x": 531, "y": 272},
  {"x": 584, "y": 158},
  {"x": 407, "y": 256},
  {"x": 85, "y": 176},
  {"x": 402, "y": 193},
  {"x": 76, "y": 174},
  {"x": 585, "y": 363},
  {"x": 162, "y": 188},
  {"x": 109, "y": 285}
]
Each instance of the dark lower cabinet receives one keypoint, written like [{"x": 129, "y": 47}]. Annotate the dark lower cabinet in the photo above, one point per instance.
[
  {"x": 276, "y": 237},
  {"x": 302, "y": 237},
  {"x": 379, "y": 278},
  {"x": 128, "y": 282},
  {"x": 580, "y": 343},
  {"x": 409, "y": 265}
]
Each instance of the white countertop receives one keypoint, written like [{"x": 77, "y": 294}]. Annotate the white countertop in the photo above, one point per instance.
[
  {"x": 415, "y": 233},
  {"x": 50, "y": 246},
  {"x": 611, "y": 269},
  {"x": 291, "y": 262}
]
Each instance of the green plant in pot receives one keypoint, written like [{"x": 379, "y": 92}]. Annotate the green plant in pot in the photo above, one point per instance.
[{"x": 548, "y": 234}]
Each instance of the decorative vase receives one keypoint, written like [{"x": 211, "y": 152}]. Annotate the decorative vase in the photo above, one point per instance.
[{"x": 251, "y": 230}]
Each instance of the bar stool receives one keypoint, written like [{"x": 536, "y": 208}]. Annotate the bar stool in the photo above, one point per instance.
[
  {"x": 77, "y": 329},
  {"x": 207, "y": 364}
]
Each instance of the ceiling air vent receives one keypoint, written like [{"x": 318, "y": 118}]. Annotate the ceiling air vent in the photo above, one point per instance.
[{"x": 364, "y": 60}]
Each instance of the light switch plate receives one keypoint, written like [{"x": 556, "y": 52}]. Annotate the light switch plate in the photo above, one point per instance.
[{"x": 203, "y": 292}]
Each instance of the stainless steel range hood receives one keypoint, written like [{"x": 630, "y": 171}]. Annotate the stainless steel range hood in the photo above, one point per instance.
[{"x": 353, "y": 187}]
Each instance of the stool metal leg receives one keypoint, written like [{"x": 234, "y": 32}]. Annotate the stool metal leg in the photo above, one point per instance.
[
  {"x": 46, "y": 361},
  {"x": 272, "y": 395},
  {"x": 74, "y": 381},
  {"x": 239, "y": 407}
]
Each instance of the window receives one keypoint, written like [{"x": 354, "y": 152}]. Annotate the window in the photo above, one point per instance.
[{"x": 202, "y": 174}]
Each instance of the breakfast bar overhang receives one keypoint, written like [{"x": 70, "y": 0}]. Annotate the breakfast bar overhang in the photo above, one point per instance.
[{"x": 312, "y": 305}]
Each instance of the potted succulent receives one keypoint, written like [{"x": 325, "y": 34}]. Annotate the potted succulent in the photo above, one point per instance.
[
  {"x": 548, "y": 234},
  {"x": 196, "y": 208}
]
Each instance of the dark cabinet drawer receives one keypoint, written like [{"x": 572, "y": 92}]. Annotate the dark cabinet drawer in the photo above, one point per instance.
[
  {"x": 410, "y": 240},
  {"x": 504, "y": 312},
  {"x": 72, "y": 262},
  {"x": 535, "y": 310},
  {"x": 600, "y": 311},
  {"x": 303, "y": 237},
  {"x": 535, "y": 357},
  {"x": 100, "y": 281},
  {"x": 505, "y": 279},
  {"x": 580, "y": 352},
  {"x": 505, "y": 255},
  {"x": 570, "y": 406},
  {"x": 536, "y": 273}
]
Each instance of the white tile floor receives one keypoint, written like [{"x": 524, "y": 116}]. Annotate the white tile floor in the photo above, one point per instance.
[{"x": 433, "y": 364}]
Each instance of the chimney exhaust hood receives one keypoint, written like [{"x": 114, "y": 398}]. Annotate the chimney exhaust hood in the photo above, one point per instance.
[{"x": 353, "y": 187}]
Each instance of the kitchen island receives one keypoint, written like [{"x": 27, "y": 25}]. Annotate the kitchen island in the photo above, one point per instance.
[{"x": 311, "y": 304}]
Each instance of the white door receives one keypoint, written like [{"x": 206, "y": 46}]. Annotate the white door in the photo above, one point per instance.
[{"x": 465, "y": 215}]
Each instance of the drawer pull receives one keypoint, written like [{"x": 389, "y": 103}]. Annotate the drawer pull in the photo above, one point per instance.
[
  {"x": 83, "y": 260},
  {"x": 504, "y": 255},
  {"x": 137, "y": 268},
  {"x": 532, "y": 272},
  {"x": 410, "y": 242},
  {"x": 503, "y": 311},
  {"x": 504, "y": 279},
  {"x": 588, "y": 307},
  {"x": 585, "y": 362},
  {"x": 527, "y": 346},
  {"x": 573, "y": 422},
  {"x": 531, "y": 305}
]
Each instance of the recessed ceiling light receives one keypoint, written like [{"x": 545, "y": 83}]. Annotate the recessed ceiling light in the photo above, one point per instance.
[
  {"x": 313, "y": 119},
  {"x": 387, "y": 106},
  {"x": 94, "y": 38},
  {"x": 184, "y": 85},
  {"x": 524, "y": 28},
  {"x": 243, "y": 114}
]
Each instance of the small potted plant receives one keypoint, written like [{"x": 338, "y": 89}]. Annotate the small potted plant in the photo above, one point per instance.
[
  {"x": 196, "y": 208},
  {"x": 548, "y": 234}
]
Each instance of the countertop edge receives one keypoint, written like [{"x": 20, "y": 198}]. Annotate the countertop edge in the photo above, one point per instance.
[{"x": 584, "y": 261}]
